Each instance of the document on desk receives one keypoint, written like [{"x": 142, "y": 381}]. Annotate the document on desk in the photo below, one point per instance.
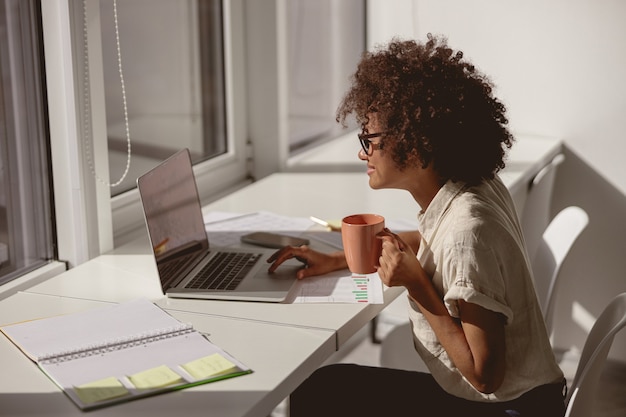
[
  {"x": 225, "y": 229},
  {"x": 121, "y": 352},
  {"x": 338, "y": 287}
]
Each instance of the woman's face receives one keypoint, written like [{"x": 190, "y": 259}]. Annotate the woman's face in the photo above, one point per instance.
[{"x": 381, "y": 169}]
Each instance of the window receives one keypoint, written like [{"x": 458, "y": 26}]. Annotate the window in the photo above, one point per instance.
[
  {"x": 178, "y": 87},
  {"x": 300, "y": 54},
  {"x": 26, "y": 230},
  {"x": 173, "y": 71},
  {"x": 324, "y": 44},
  {"x": 244, "y": 83},
  {"x": 173, "y": 64},
  {"x": 225, "y": 78}
]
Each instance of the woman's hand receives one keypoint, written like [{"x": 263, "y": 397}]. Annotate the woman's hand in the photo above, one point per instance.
[
  {"x": 398, "y": 263},
  {"x": 315, "y": 263}
]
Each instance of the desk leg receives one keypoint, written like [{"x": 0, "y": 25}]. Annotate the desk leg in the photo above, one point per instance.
[{"x": 373, "y": 328}]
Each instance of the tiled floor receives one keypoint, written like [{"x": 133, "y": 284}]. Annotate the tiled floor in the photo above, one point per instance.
[{"x": 612, "y": 396}]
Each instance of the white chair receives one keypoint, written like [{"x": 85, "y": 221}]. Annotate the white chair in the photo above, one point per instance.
[
  {"x": 535, "y": 215},
  {"x": 582, "y": 393},
  {"x": 555, "y": 244}
]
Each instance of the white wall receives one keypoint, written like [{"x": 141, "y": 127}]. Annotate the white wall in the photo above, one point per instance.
[{"x": 559, "y": 67}]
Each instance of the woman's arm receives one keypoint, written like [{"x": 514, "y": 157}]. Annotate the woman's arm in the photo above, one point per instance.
[
  {"x": 475, "y": 343},
  {"x": 317, "y": 263}
]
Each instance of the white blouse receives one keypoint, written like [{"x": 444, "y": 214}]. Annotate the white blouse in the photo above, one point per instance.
[{"x": 473, "y": 247}]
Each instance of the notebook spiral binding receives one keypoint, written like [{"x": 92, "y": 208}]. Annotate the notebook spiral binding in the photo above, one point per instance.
[{"x": 118, "y": 344}]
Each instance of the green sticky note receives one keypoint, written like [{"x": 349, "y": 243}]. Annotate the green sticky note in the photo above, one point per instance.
[
  {"x": 104, "y": 389},
  {"x": 158, "y": 377},
  {"x": 208, "y": 366}
]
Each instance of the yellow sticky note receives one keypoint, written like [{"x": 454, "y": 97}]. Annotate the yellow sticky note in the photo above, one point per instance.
[
  {"x": 209, "y": 366},
  {"x": 100, "y": 390},
  {"x": 335, "y": 225},
  {"x": 158, "y": 377}
]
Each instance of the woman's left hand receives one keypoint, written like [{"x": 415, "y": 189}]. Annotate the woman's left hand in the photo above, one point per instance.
[{"x": 398, "y": 263}]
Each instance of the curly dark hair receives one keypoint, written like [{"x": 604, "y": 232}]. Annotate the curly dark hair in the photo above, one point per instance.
[{"x": 435, "y": 107}]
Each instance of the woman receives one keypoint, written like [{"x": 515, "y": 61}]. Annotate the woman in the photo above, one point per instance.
[{"x": 431, "y": 126}]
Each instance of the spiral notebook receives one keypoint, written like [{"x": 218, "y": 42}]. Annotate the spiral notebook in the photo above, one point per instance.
[{"x": 138, "y": 350}]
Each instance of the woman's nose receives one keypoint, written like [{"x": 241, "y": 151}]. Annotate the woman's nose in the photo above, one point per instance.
[{"x": 362, "y": 155}]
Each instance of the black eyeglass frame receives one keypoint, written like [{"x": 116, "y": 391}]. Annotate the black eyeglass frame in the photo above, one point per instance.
[{"x": 368, "y": 146}]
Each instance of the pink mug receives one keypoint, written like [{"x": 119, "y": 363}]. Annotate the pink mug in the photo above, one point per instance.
[{"x": 360, "y": 244}]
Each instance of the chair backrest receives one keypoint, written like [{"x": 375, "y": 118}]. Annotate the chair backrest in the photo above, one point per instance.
[
  {"x": 582, "y": 393},
  {"x": 554, "y": 246},
  {"x": 535, "y": 214}
]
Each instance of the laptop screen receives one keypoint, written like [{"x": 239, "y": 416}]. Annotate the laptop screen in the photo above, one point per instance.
[{"x": 172, "y": 210}]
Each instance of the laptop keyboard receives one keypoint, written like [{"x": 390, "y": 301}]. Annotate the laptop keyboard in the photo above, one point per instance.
[{"x": 224, "y": 271}]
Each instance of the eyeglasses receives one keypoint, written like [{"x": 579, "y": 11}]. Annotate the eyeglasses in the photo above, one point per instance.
[{"x": 366, "y": 143}]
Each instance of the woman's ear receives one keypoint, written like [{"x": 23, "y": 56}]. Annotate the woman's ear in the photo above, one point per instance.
[{"x": 413, "y": 158}]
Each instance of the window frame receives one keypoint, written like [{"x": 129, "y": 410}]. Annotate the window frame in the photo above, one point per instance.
[
  {"x": 53, "y": 266},
  {"x": 24, "y": 183}
]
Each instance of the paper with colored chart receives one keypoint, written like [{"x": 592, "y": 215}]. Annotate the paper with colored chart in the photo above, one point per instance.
[{"x": 339, "y": 287}]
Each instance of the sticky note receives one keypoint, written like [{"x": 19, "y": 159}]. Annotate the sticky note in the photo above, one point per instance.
[
  {"x": 158, "y": 377},
  {"x": 103, "y": 389},
  {"x": 209, "y": 366}
]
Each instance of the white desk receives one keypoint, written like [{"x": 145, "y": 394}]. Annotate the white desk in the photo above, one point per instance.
[
  {"x": 118, "y": 278},
  {"x": 280, "y": 356},
  {"x": 130, "y": 272}
]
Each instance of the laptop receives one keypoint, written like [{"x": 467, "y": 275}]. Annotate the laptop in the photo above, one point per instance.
[{"x": 188, "y": 266}]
